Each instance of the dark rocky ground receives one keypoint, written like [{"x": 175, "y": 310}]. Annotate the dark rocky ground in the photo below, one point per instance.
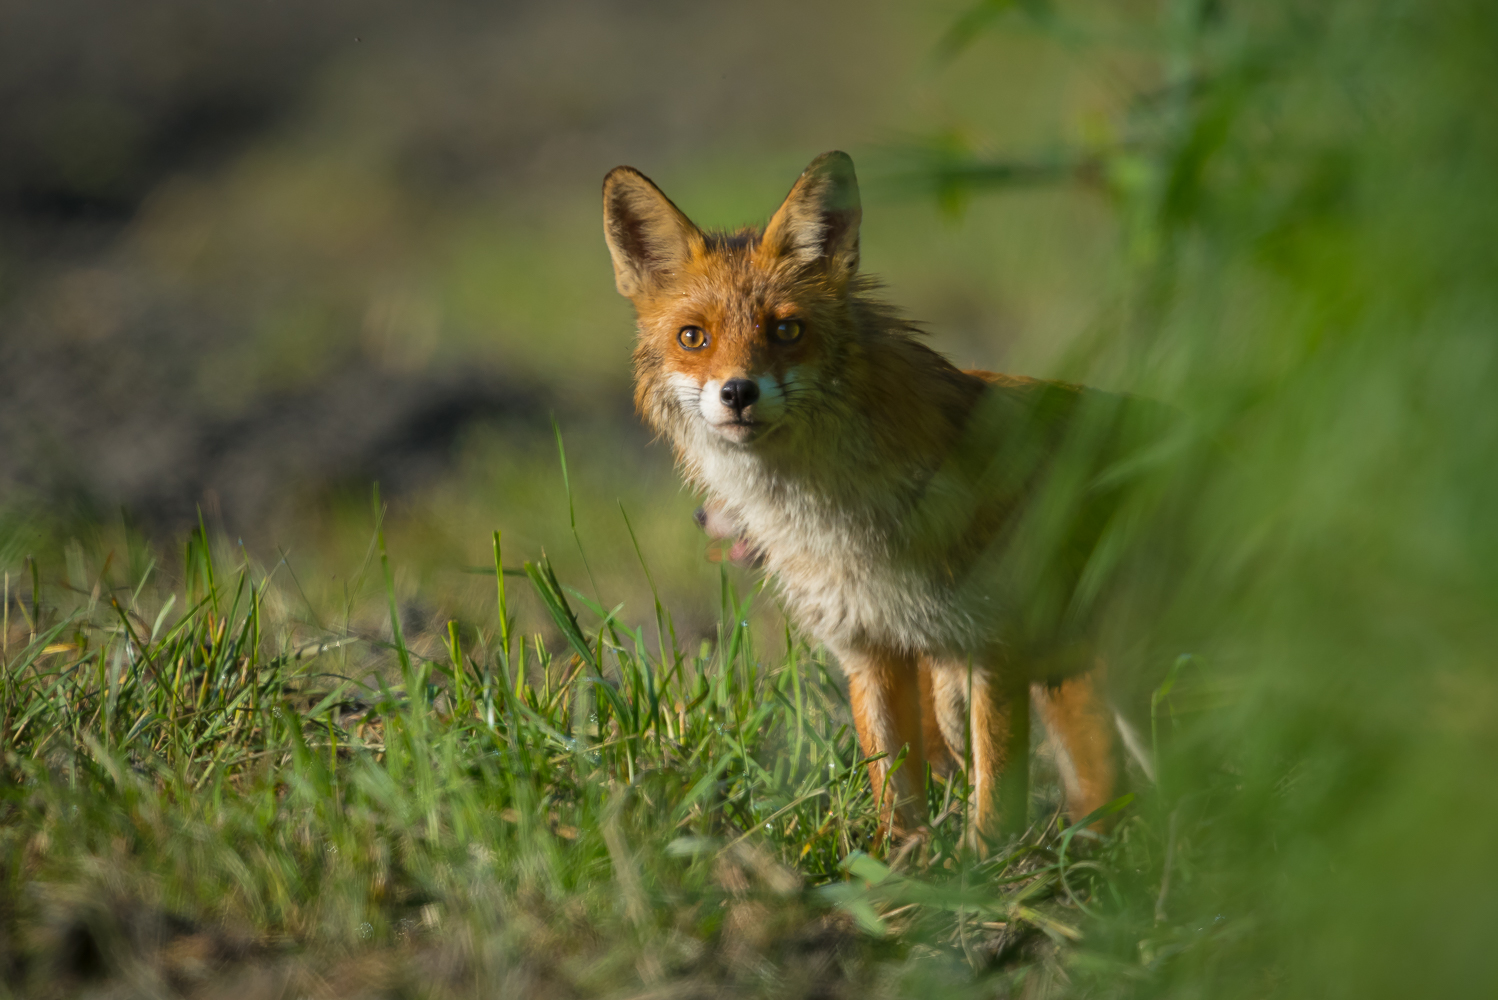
[{"x": 100, "y": 404}]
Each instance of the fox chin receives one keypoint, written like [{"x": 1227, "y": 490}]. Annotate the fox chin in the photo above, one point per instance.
[{"x": 908, "y": 511}]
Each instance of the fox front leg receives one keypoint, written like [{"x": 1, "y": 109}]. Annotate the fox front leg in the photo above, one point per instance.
[
  {"x": 1001, "y": 755},
  {"x": 941, "y": 723},
  {"x": 885, "y": 691}
]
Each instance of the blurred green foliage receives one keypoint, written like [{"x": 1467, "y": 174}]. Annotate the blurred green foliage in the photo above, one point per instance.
[{"x": 1307, "y": 199}]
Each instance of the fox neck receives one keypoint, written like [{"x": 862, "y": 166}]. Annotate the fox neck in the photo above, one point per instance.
[{"x": 840, "y": 481}]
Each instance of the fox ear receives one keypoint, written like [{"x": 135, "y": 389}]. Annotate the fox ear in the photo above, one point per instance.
[
  {"x": 646, "y": 234},
  {"x": 818, "y": 221}
]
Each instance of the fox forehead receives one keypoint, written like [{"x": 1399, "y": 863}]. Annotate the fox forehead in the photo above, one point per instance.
[{"x": 726, "y": 289}]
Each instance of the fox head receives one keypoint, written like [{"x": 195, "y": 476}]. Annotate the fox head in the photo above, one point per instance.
[{"x": 741, "y": 333}]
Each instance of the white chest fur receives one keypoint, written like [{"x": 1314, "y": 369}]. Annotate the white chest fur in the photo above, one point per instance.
[{"x": 843, "y": 549}]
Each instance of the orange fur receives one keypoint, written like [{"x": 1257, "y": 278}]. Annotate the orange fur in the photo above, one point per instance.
[
  {"x": 939, "y": 755},
  {"x": 887, "y": 492},
  {"x": 884, "y": 691},
  {"x": 1075, "y": 712}
]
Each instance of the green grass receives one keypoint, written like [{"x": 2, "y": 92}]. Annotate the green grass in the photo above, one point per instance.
[{"x": 194, "y": 788}]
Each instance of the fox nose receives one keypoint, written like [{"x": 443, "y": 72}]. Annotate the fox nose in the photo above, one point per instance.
[{"x": 738, "y": 393}]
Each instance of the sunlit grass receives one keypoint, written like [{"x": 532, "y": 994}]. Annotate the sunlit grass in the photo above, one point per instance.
[{"x": 290, "y": 792}]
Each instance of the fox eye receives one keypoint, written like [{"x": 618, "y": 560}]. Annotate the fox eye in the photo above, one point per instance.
[
  {"x": 787, "y": 331},
  {"x": 692, "y": 338}
]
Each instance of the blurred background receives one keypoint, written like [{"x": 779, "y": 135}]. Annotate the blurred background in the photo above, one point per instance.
[{"x": 255, "y": 257}]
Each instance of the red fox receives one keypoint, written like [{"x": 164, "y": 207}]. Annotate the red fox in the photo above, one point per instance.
[{"x": 937, "y": 529}]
